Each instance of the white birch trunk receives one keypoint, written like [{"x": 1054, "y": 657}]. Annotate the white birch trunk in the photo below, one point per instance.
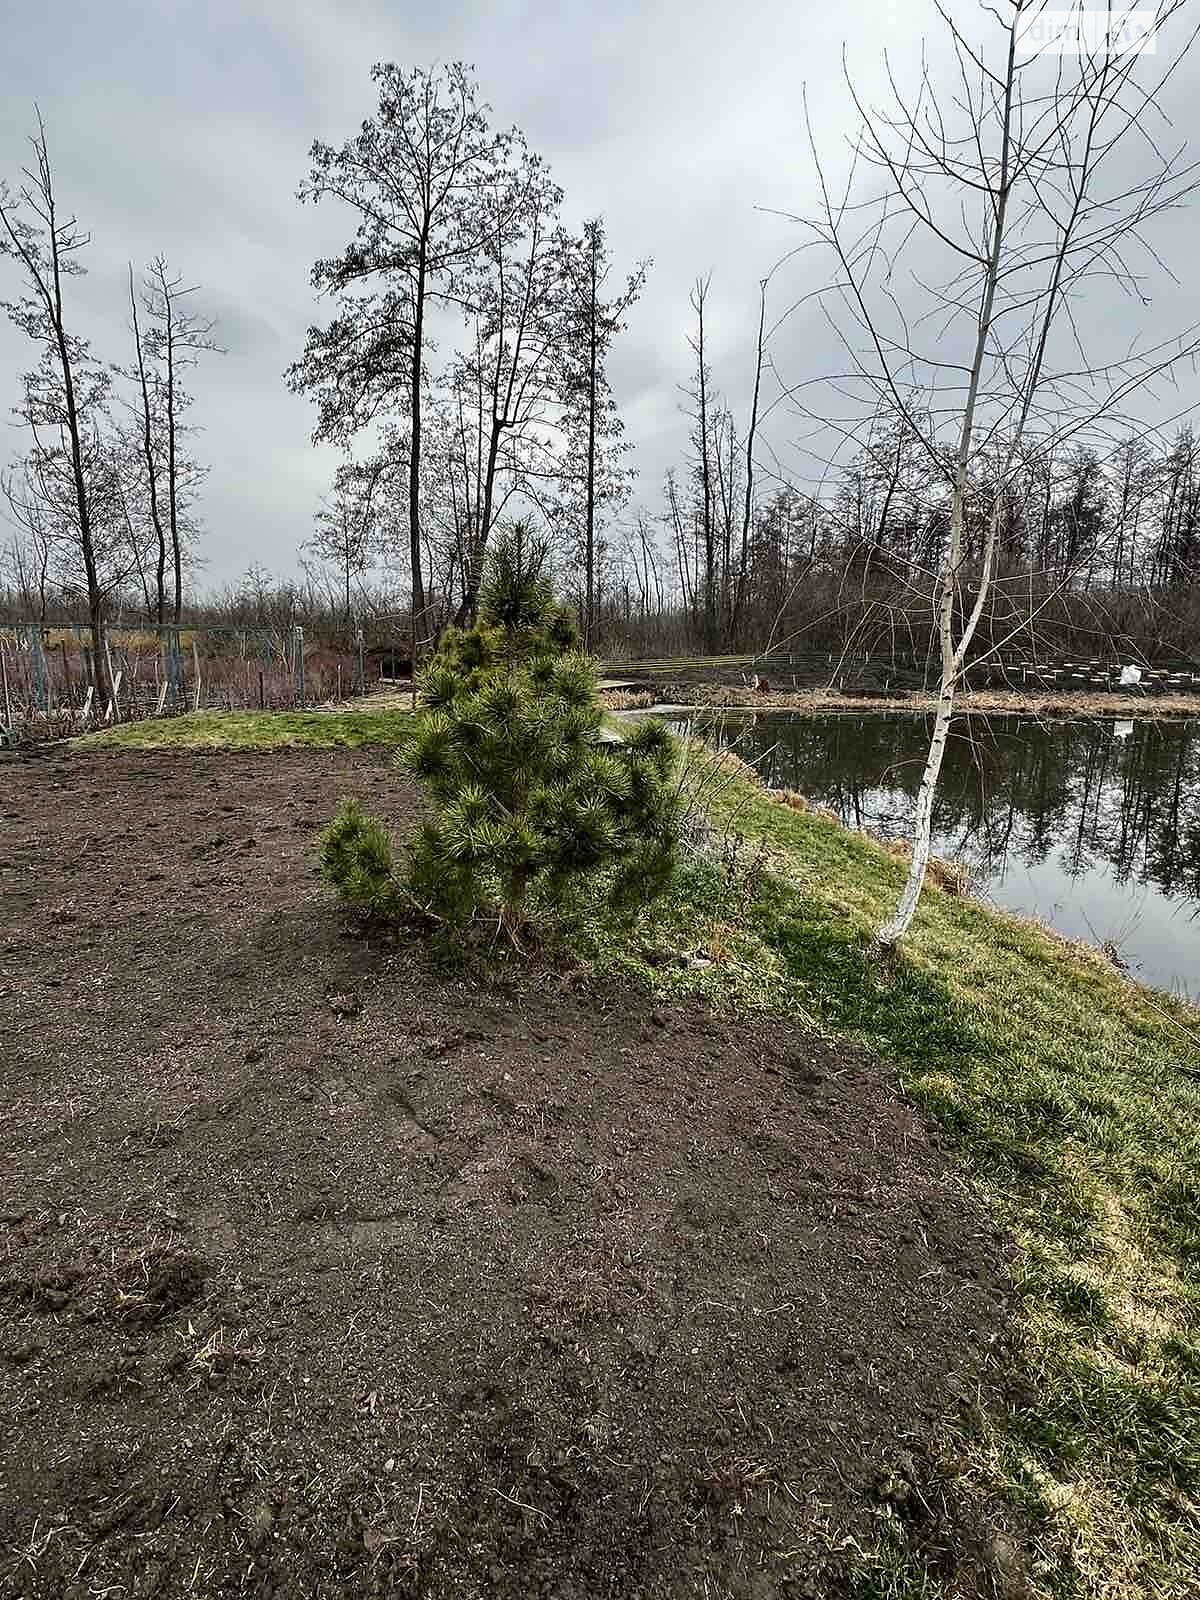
[
  {"x": 952, "y": 664},
  {"x": 892, "y": 932}
]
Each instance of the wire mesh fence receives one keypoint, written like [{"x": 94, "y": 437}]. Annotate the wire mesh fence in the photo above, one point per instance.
[{"x": 50, "y": 681}]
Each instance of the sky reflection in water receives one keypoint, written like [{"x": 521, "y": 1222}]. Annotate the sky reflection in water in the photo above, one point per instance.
[{"x": 1092, "y": 826}]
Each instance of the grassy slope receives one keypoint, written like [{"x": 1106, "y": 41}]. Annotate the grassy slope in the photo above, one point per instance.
[
  {"x": 1076, "y": 1099},
  {"x": 252, "y": 730},
  {"x": 1075, "y": 1096}
]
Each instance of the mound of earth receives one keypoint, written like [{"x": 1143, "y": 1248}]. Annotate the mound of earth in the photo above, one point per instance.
[{"x": 324, "y": 1275}]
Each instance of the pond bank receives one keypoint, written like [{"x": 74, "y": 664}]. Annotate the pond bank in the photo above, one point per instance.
[
  {"x": 1084, "y": 823},
  {"x": 1074, "y": 1096},
  {"x": 977, "y": 702}
]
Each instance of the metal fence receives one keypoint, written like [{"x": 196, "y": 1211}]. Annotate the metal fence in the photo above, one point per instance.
[{"x": 49, "y": 677}]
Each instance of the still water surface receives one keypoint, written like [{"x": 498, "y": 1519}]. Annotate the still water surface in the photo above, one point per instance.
[{"x": 1092, "y": 826}]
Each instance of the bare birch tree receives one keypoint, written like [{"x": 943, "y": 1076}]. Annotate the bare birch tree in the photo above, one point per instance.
[{"x": 979, "y": 220}]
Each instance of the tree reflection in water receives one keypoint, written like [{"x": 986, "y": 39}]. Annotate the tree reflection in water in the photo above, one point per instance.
[{"x": 1092, "y": 826}]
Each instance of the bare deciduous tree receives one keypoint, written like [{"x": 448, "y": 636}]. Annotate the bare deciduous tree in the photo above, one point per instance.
[
  {"x": 149, "y": 450},
  {"x": 175, "y": 337},
  {"x": 414, "y": 176},
  {"x": 347, "y": 522},
  {"x": 703, "y": 467},
  {"x": 593, "y": 467},
  {"x": 64, "y": 394},
  {"x": 1035, "y": 180},
  {"x": 512, "y": 369},
  {"x": 29, "y": 555},
  {"x": 739, "y": 594}
]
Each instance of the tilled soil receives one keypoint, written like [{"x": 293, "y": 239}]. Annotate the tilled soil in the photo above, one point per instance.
[{"x": 324, "y": 1275}]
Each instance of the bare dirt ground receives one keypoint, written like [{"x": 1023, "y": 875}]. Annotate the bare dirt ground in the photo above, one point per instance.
[{"x": 324, "y": 1275}]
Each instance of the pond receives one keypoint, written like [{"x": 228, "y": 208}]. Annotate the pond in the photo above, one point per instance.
[{"x": 1093, "y": 827}]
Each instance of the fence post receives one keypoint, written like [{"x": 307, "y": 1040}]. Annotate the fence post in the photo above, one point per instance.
[
  {"x": 113, "y": 714},
  {"x": 173, "y": 683},
  {"x": 360, "y": 641},
  {"x": 113, "y": 686},
  {"x": 41, "y": 678},
  {"x": 298, "y": 665}
]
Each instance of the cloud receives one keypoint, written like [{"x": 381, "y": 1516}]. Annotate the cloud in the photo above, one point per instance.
[{"x": 184, "y": 126}]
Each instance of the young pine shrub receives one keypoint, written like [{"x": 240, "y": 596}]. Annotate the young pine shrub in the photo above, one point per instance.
[
  {"x": 356, "y": 857},
  {"x": 537, "y": 810}
]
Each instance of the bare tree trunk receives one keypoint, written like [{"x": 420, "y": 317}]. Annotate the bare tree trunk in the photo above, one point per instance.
[
  {"x": 172, "y": 466},
  {"x": 589, "y": 612},
  {"x": 710, "y": 567},
  {"x": 160, "y": 574},
  {"x": 748, "y": 503},
  {"x": 894, "y": 930},
  {"x": 414, "y": 450},
  {"x": 473, "y": 576}
]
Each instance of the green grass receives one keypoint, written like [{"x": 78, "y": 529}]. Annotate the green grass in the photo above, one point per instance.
[
  {"x": 253, "y": 730},
  {"x": 1074, "y": 1097}
]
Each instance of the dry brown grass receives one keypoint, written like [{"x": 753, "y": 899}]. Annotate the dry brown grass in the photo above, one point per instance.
[
  {"x": 626, "y": 699},
  {"x": 995, "y": 702},
  {"x": 795, "y": 801},
  {"x": 950, "y": 876}
]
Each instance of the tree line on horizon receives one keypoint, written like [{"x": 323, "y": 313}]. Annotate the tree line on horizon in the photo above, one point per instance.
[{"x": 1110, "y": 545}]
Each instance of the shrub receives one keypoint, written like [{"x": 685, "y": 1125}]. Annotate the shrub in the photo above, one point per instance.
[
  {"x": 536, "y": 807},
  {"x": 356, "y": 856}
]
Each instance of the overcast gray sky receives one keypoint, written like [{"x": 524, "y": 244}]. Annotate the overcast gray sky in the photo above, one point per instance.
[{"x": 184, "y": 128}]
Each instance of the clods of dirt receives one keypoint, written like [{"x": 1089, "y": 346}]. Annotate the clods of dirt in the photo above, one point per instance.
[{"x": 324, "y": 1275}]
